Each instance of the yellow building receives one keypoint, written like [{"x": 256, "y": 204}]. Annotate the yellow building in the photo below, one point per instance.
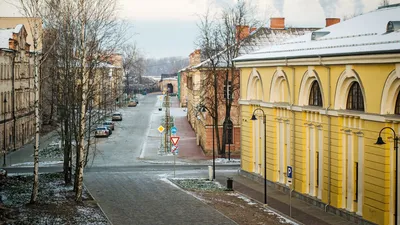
[
  {"x": 16, "y": 88},
  {"x": 326, "y": 95}
]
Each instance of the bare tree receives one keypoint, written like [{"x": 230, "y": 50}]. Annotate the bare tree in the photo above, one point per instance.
[
  {"x": 228, "y": 34},
  {"x": 384, "y": 3},
  {"x": 87, "y": 34},
  {"x": 211, "y": 45},
  {"x": 31, "y": 11}
]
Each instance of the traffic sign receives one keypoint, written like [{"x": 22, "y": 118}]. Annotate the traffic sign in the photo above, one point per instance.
[
  {"x": 175, "y": 150},
  {"x": 174, "y": 130},
  {"x": 175, "y": 140},
  {"x": 289, "y": 174},
  {"x": 161, "y": 129}
]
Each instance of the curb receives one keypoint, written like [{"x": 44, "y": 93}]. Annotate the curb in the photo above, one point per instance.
[{"x": 101, "y": 209}]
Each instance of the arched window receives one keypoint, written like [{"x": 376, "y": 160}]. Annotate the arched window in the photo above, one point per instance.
[
  {"x": 397, "y": 107},
  {"x": 315, "y": 98},
  {"x": 355, "y": 99}
]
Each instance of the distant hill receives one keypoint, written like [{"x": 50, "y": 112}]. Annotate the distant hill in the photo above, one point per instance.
[{"x": 168, "y": 65}]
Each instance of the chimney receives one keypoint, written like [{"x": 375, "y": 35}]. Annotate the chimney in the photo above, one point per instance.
[
  {"x": 277, "y": 23},
  {"x": 194, "y": 57},
  {"x": 332, "y": 21},
  {"x": 242, "y": 31}
]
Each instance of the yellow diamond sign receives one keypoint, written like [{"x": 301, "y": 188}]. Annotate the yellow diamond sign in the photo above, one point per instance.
[{"x": 161, "y": 129}]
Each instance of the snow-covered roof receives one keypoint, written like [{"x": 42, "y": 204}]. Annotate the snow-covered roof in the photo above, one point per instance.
[
  {"x": 364, "y": 34},
  {"x": 7, "y": 34},
  {"x": 262, "y": 37},
  {"x": 105, "y": 65}
]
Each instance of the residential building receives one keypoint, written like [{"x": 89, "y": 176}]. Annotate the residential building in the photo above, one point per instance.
[
  {"x": 195, "y": 74},
  {"x": 29, "y": 23},
  {"x": 17, "y": 88},
  {"x": 107, "y": 86},
  {"x": 326, "y": 96}
]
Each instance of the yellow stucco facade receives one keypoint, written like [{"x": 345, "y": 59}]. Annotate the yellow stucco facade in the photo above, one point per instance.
[{"x": 330, "y": 148}]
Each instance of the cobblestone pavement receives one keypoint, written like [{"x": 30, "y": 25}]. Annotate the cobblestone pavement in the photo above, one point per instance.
[{"x": 144, "y": 198}]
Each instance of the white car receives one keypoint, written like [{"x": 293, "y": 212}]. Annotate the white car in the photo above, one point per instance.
[
  {"x": 102, "y": 132},
  {"x": 117, "y": 116}
]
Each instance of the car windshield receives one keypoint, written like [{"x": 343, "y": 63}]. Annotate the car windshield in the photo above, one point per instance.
[
  {"x": 101, "y": 128},
  {"x": 116, "y": 114}
]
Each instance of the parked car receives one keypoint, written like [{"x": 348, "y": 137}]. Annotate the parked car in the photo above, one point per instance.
[
  {"x": 109, "y": 124},
  {"x": 117, "y": 116},
  {"x": 102, "y": 132},
  {"x": 132, "y": 103}
]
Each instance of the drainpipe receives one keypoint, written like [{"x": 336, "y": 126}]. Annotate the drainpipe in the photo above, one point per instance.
[
  {"x": 329, "y": 133},
  {"x": 293, "y": 125},
  {"x": 13, "y": 96}
]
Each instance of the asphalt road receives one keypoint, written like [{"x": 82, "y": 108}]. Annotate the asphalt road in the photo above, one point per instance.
[{"x": 130, "y": 191}]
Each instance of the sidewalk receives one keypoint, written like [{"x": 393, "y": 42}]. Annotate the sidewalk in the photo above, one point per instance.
[
  {"x": 25, "y": 153},
  {"x": 189, "y": 151}
]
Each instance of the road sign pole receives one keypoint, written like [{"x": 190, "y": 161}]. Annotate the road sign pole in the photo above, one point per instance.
[
  {"x": 289, "y": 181},
  {"x": 174, "y": 163}
]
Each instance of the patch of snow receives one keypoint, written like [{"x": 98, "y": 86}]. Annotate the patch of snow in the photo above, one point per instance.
[
  {"x": 165, "y": 162},
  {"x": 225, "y": 160},
  {"x": 187, "y": 192},
  {"x": 30, "y": 164},
  {"x": 249, "y": 201}
]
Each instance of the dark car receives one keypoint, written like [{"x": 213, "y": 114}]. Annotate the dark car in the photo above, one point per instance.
[{"x": 109, "y": 124}]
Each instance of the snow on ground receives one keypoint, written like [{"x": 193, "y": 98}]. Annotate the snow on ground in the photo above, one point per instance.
[
  {"x": 249, "y": 201},
  {"x": 165, "y": 162},
  {"x": 188, "y": 192},
  {"x": 225, "y": 161},
  {"x": 30, "y": 164},
  {"x": 56, "y": 204}
]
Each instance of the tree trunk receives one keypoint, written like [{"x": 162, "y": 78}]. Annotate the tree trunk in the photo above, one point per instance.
[
  {"x": 67, "y": 148},
  {"x": 81, "y": 135},
  {"x": 215, "y": 123},
  {"x": 35, "y": 188}
]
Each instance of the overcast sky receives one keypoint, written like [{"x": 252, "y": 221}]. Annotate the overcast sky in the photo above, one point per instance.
[{"x": 164, "y": 28}]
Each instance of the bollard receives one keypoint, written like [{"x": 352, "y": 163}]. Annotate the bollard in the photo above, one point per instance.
[
  {"x": 210, "y": 173},
  {"x": 229, "y": 184}
]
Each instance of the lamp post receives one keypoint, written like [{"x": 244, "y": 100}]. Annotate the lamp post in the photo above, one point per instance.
[
  {"x": 253, "y": 117},
  {"x": 203, "y": 109},
  {"x": 396, "y": 149},
  {"x": 4, "y": 138}
]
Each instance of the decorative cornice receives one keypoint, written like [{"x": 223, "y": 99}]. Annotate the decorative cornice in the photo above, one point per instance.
[
  {"x": 330, "y": 112},
  {"x": 315, "y": 61}
]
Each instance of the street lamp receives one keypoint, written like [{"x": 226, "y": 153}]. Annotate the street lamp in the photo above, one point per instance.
[
  {"x": 203, "y": 109},
  {"x": 253, "y": 117},
  {"x": 396, "y": 149},
  {"x": 4, "y": 139}
]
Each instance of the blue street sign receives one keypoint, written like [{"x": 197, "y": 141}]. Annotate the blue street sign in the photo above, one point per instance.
[
  {"x": 174, "y": 130},
  {"x": 289, "y": 172}
]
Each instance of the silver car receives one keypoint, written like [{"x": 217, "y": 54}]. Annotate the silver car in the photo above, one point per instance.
[
  {"x": 102, "y": 132},
  {"x": 117, "y": 116}
]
